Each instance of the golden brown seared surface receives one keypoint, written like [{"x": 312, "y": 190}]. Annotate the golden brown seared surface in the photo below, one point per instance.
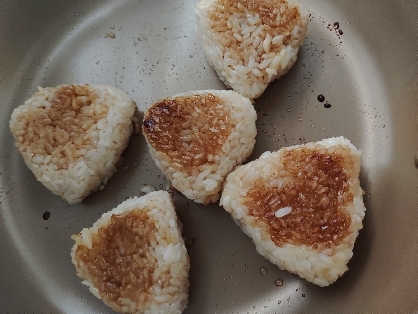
[
  {"x": 318, "y": 189},
  {"x": 62, "y": 129},
  {"x": 189, "y": 130},
  {"x": 275, "y": 15},
  {"x": 120, "y": 262}
]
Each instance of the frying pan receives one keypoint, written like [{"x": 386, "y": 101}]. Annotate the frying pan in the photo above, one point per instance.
[{"x": 366, "y": 67}]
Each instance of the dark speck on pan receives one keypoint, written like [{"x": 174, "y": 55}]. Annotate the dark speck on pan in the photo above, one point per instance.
[{"x": 46, "y": 215}]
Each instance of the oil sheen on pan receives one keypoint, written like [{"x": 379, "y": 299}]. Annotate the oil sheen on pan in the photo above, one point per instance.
[{"x": 353, "y": 78}]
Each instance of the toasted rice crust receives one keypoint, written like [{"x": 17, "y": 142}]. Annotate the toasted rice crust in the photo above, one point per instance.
[
  {"x": 251, "y": 43},
  {"x": 134, "y": 258},
  {"x": 71, "y": 136},
  {"x": 322, "y": 263},
  {"x": 202, "y": 148}
]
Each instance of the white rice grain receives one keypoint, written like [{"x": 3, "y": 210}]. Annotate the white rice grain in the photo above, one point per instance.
[
  {"x": 280, "y": 189},
  {"x": 231, "y": 31},
  {"x": 72, "y": 136},
  {"x": 150, "y": 273},
  {"x": 220, "y": 135}
]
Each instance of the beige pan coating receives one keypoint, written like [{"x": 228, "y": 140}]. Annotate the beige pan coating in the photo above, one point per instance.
[{"x": 367, "y": 75}]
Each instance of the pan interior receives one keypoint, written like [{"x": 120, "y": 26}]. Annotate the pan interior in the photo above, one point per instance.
[{"x": 150, "y": 49}]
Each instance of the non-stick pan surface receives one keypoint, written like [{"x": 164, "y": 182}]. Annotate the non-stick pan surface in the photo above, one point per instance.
[{"x": 367, "y": 69}]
